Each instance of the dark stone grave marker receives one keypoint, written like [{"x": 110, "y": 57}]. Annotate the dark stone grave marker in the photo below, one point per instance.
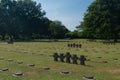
[
  {"x": 82, "y": 60},
  {"x": 10, "y": 60},
  {"x": 20, "y": 62},
  {"x": 4, "y": 69},
  {"x": 62, "y": 56},
  {"x": 18, "y": 74},
  {"x": 88, "y": 77},
  {"x": 56, "y": 56},
  {"x": 115, "y": 59},
  {"x": 32, "y": 65},
  {"x": 99, "y": 57},
  {"x": 74, "y": 58},
  {"x": 1, "y": 58},
  {"x": 68, "y": 56},
  {"x": 105, "y": 61},
  {"x": 42, "y": 54},
  {"x": 46, "y": 68},
  {"x": 64, "y": 72}
]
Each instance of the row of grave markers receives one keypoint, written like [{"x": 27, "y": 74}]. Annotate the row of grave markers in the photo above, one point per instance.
[
  {"x": 109, "y": 43},
  {"x": 68, "y": 57},
  {"x": 32, "y": 65},
  {"x": 18, "y": 62},
  {"x": 74, "y": 45}
]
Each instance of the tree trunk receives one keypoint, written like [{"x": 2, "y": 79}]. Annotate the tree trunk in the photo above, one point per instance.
[{"x": 3, "y": 36}]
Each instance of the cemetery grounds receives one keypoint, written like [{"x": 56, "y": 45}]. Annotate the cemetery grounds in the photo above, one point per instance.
[{"x": 103, "y": 61}]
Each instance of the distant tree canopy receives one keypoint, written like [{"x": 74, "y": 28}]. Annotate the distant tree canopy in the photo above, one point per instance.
[
  {"x": 57, "y": 29},
  {"x": 102, "y": 20},
  {"x": 25, "y": 19}
]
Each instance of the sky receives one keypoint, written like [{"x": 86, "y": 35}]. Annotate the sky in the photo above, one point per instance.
[{"x": 69, "y": 12}]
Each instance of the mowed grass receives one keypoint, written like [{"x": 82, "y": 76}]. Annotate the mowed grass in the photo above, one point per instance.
[{"x": 39, "y": 53}]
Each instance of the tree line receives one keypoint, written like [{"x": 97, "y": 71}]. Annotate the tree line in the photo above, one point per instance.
[{"x": 25, "y": 20}]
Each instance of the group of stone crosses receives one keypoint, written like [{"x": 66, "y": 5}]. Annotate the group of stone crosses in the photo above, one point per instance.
[
  {"x": 74, "y": 45},
  {"x": 68, "y": 57}
]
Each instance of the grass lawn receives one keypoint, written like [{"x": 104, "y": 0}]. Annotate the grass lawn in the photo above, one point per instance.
[{"x": 39, "y": 53}]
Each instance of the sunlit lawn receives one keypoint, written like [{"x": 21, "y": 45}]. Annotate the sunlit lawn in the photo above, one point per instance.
[{"x": 39, "y": 53}]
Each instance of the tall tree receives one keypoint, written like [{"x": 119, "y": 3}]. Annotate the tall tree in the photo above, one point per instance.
[
  {"x": 22, "y": 18},
  {"x": 4, "y": 17},
  {"x": 32, "y": 17},
  {"x": 102, "y": 19}
]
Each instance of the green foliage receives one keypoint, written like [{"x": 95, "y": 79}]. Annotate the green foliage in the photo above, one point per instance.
[
  {"x": 57, "y": 30},
  {"x": 102, "y": 19},
  {"x": 24, "y": 19},
  {"x": 74, "y": 35}
]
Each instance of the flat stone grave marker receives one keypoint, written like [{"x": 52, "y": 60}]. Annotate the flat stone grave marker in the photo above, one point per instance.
[
  {"x": 32, "y": 65},
  {"x": 115, "y": 59},
  {"x": 88, "y": 77},
  {"x": 4, "y": 69},
  {"x": 18, "y": 74},
  {"x": 99, "y": 57},
  {"x": 105, "y": 61},
  {"x": 64, "y": 72},
  {"x": 106, "y": 52},
  {"x": 42, "y": 54},
  {"x": 33, "y": 53},
  {"x": 46, "y": 68},
  {"x": 1, "y": 58},
  {"x": 20, "y": 62},
  {"x": 10, "y": 60}
]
